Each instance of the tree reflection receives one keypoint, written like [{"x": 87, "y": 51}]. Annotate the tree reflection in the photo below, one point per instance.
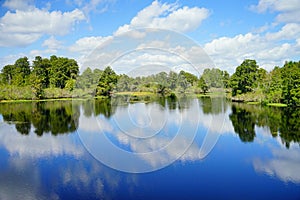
[
  {"x": 213, "y": 105},
  {"x": 243, "y": 123},
  {"x": 282, "y": 122},
  {"x": 56, "y": 117},
  {"x": 290, "y": 126},
  {"x": 104, "y": 107}
]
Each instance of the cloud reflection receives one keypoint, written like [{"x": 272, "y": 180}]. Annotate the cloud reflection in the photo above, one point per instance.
[{"x": 284, "y": 164}]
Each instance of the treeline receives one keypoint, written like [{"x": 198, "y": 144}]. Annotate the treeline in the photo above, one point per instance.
[
  {"x": 252, "y": 83},
  {"x": 59, "y": 77},
  {"x": 24, "y": 81}
]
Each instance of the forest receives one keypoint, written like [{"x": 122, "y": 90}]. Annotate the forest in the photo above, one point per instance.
[{"x": 59, "y": 77}]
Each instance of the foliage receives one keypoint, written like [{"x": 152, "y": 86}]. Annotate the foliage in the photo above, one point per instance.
[
  {"x": 215, "y": 78},
  {"x": 244, "y": 77},
  {"x": 58, "y": 77},
  {"x": 107, "y": 81},
  {"x": 55, "y": 117},
  {"x": 202, "y": 84},
  {"x": 282, "y": 122}
]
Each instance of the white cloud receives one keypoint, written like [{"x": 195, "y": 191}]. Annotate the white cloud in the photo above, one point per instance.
[
  {"x": 21, "y": 28},
  {"x": 33, "y": 146},
  {"x": 18, "y": 4},
  {"x": 284, "y": 165},
  {"x": 268, "y": 50},
  {"x": 288, "y": 31},
  {"x": 52, "y": 43},
  {"x": 288, "y": 9},
  {"x": 167, "y": 16},
  {"x": 87, "y": 44}
]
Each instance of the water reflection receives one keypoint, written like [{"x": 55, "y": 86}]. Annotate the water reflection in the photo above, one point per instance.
[
  {"x": 56, "y": 117},
  {"x": 281, "y": 122},
  {"x": 36, "y": 165},
  {"x": 284, "y": 164}
]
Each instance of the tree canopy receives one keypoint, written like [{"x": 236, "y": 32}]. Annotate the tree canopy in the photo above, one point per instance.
[{"x": 57, "y": 77}]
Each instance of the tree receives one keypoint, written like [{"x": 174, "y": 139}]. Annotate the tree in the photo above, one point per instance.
[
  {"x": 290, "y": 74},
  {"x": 226, "y": 79},
  {"x": 41, "y": 68},
  {"x": 107, "y": 82},
  {"x": 202, "y": 84},
  {"x": 7, "y": 74},
  {"x": 190, "y": 78},
  {"x": 244, "y": 78},
  {"x": 273, "y": 86},
  {"x": 215, "y": 77},
  {"x": 243, "y": 123},
  {"x": 22, "y": 71},
  {"x": 62, "y": 69}
]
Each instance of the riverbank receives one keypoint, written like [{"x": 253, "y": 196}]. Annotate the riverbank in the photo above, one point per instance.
[{"x": 140, "y": 96}]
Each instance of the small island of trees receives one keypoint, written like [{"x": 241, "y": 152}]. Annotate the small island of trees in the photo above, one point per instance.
[{"x": 58, "y": 77}]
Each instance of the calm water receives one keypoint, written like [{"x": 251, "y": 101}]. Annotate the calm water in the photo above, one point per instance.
[{"x": 189, "y": 148}]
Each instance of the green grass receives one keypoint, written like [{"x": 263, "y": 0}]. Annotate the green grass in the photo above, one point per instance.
[
  {"x": 277, "y": 104},
  {"x": 253, "y": 103},
  {"x": 40, "y": 100},
  {"x": 212, "y": 94},
  {"x": 135, "y": 93}
]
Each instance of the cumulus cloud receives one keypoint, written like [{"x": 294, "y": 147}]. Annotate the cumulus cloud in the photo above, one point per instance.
[
  {"x": 23, "y": 27},
  {"x": 52, "y": 43},
  {"x": 87, "y": 44},
  {"x": 284, "y": 165},
  {"x": 33, "y": 146},
  {"x": 18, "y": 5},
  {"x": 288, "y": 9},
  {"x": 167, "y": 16},
  {"x": 287, "y": 32},
  {"x": 269, "y": 50}
]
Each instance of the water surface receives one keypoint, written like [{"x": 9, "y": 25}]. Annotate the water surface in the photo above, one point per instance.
[{"x": 51, "y": 150}]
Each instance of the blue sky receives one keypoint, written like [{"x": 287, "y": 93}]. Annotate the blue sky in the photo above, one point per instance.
[{"x": 265, "y": 30}]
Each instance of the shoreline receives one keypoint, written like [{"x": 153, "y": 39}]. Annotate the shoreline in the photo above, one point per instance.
[{"x": 140, "y": 94}]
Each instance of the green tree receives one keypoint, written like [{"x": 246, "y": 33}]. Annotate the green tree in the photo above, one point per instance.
[
  {"x": 243, "y": 123},
  {"x": 7, "y": 74},
  {"x": 291, "y": 83},
  {"x": 273, "y": 86},
  {"x": 62, "y": 69},
  {"x": 41, "y": 68},
  {"x": 107, "y": 82},
  {"x": 22, "y": 71},
  {"x": 191, "y": 78},
  {"x": 244, "y": 78},
  {"x": 202, "y": 84}
]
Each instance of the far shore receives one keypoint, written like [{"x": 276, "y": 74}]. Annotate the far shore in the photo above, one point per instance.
[{"x": 141, "y": 94}]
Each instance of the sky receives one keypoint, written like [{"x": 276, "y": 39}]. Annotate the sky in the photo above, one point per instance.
[{"x": 168, "y": 33}]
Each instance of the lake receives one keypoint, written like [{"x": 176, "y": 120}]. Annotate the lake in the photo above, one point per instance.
[{"x": 148, "y": 148}]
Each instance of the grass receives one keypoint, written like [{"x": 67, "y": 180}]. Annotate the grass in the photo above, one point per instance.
[
  {"x": 253, "y": 103},
  {"x": 135, "y": 93},
  {"x": 277, "y": 104},
  {"x": 212, "y": 94},
  {"x": 41, "y": 100}
]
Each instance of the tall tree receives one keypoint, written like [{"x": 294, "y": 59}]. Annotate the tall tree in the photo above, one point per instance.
[
  {"x": 244, "y": 78},
  {"x": 7, "y": 74},
  {"x": 22, "y": 71},
  {"x": 291, "y": 83},
  {"x": 62, "y": 70},
  {"x": 107, "y": 82}
]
